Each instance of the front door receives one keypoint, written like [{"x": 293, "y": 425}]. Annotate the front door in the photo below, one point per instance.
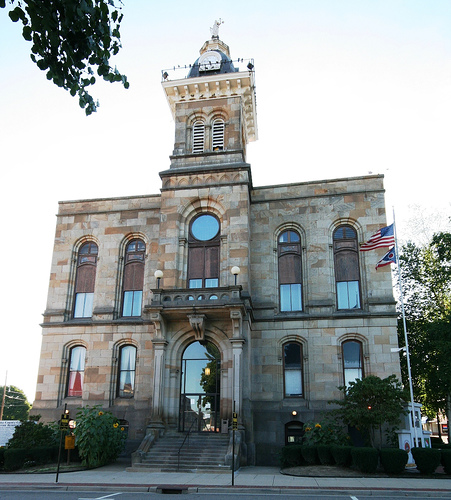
[{"x": 199, "y": 394}]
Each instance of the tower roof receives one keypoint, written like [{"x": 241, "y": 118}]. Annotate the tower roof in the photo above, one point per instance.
[{"x": 214, "y": 59}]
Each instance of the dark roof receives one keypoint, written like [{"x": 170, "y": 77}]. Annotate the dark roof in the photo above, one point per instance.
[{"x": 226, "y": 67}]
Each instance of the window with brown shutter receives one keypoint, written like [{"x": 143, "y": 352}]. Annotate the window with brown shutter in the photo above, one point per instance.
[
  {"x": 133, "y": 278},
  {"x": 85, "y": 280},
  {"x": 290, "y": 271},
  {"x": 203, "y": 252},
  {"x": 346, "y": 263}
]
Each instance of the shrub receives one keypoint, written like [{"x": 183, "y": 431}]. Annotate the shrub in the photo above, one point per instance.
[
  {"x": 342, "y": 455},
  {"x": 324, "y": 454},
  {"x": 31, "y": 433},
  {"x": 365, "y": 459},
  {"x": 393, "y": 460},
  {"x": 291, "y": 456},
  {"x": 99, "y": 437},
  {"x": 446, "y": 460},
  {"x": 2, "y": 457},
  {"x": 327, "y": 431},
  {"x": 309, "y": 454},
  {"x": 426, "y": 459},
  {"x": 436, "y": 442},
  {"x": 15, "y": 458}
]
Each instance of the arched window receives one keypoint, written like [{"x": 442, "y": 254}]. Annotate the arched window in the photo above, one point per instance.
[
  {"x": 346, "y": 260},
  {"x": 198, "y": 137},
  {"x": 217, "y": 142},
  {"x": 133, "y": 278},
  {"x": 203, "y": 253},
  {"x": 352, "y": 361},
  {"x": 292, "y": 370},
  {"x": 85, "y": 280},
  {"x": 76, "y": 371},
  {"x": 290, "y": 287},
  {"x": 126, "y": 372}
]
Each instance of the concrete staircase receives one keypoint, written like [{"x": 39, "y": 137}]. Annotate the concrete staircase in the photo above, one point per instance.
[{"x": 202, "y": 452}]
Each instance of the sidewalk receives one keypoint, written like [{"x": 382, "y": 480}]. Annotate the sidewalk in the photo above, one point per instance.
[{"x": 264, "y": 479}]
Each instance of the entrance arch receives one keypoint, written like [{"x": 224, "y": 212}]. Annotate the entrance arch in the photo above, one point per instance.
[{"x": 200, "y": 388}]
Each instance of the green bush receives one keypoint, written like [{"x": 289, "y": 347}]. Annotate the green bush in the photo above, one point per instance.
[
  {"x": 15, "y": 458},
  {"x": 446, "y": 460},
  {"x": 291, "y": 456},
  {"x": 2, "y": 457},
  {"x": 31, "y": 434},
  {"x": 324, "y": 454},
  {"x": 342, "y": 455},
  {"x": 365, "y": 459},
  {"x": 426, "y": 459},
  {"x": 436, "y": 442},
  {"x": 310, "y": 454},
  {"x": 99, "y": 436},
  {"x": 393, "y": 460},
  {"x": 327, "y": 431}
]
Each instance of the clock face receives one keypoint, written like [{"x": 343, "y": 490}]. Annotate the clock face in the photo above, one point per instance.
[{"x": 210, "y": 61}]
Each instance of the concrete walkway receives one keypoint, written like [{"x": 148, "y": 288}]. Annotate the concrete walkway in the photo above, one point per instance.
[{"x": 116, "y": 477}]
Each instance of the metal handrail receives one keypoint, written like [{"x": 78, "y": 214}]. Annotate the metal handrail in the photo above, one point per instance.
[{"x": 183, "y": 443}]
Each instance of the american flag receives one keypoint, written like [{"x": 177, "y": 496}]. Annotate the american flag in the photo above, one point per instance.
[{"x": 385, "y": 237}]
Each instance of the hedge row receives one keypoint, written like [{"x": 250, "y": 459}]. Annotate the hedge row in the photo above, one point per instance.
[
  {"x": 392, "y": 460},
  {"x": 18, "y": 458}
]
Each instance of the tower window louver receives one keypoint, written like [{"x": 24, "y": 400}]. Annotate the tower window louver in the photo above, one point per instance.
[
  {"x": 218, "y": 135},
  {"x": 198, "y": 137}
]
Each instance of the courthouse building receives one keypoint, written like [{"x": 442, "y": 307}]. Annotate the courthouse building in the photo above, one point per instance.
[{"x": 174, "y": 310}]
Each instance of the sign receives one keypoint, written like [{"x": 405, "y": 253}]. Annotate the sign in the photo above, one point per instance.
[
  {"x": 235, "y": 421},
  {"x": 69, "y": 443},
  {"x": 7, "y": 428},
  {"x": 64, "y": 422}
]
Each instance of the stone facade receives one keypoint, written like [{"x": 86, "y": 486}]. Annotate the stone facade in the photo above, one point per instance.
[{"x": 243, "y": 320}]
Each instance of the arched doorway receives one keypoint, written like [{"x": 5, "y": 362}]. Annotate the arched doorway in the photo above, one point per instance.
[{"x": 199, "y": 393}]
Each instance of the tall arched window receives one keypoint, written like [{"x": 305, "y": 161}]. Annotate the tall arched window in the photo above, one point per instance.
[
  {"x": 85, "y": 280},
  {"x": 76, "y": 371},
  {"x": 347, "y": 275},
  {"x": 290, "y": 287},
  {"x": 198, "y": 137},
  {"x": 203, "y": 256},
  {"x": 133, "y": 278},
  {"x": 352, "y": 361},
  {"x": 126, "y": 372},
  {"x": 292, "y": 370},
  {"x": 217, "y": 143}
]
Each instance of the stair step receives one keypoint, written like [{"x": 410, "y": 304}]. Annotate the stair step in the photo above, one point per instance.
[{"x": 201, "y": 452}]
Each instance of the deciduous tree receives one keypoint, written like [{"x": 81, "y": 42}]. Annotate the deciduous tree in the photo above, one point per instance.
[
  {"x": 72, "y": 41},
  {"x": 16, "y": 405},
  {"x": 370, "y": 403},
  {"x": 426, "y": 278}
]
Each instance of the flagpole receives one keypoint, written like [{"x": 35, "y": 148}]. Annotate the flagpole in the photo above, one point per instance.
[{"x": 405, "y": 332}]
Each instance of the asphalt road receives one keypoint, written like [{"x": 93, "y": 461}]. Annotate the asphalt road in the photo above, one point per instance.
[{"x": 95, "y": 495}]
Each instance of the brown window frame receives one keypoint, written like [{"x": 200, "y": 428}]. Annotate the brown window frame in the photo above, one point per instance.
[
  {"x": 361, "y": 359},
  {"x": 347, "y": 267},
  {"x": 203, "y": 256},
  {"x": 290, "y": 271},
  {"x": 133, "y": 278},
  {"x": 85, "y": 278},
  {"x": 285, "y": 369}
]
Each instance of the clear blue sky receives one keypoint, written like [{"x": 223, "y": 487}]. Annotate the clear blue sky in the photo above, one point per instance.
[{"x": 344, "y": 88}]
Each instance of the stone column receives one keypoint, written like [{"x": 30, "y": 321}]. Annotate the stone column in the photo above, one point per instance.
[{"x": 159, "y": 345}]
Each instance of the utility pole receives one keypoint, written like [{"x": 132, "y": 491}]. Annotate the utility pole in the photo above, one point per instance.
[{"x": 3, "y": 397}]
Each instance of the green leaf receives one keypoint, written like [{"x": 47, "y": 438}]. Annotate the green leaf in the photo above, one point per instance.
[{"x": 16, "y": 14}]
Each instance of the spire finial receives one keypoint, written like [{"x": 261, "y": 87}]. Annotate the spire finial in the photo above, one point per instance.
[{"x": 214, "y": 30}]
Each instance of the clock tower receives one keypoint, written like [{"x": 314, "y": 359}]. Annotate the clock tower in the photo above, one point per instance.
[{"x": 214, "y": 110}]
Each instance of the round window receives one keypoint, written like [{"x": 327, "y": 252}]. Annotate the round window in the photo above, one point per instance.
[{"x": 205, "y": 227}]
